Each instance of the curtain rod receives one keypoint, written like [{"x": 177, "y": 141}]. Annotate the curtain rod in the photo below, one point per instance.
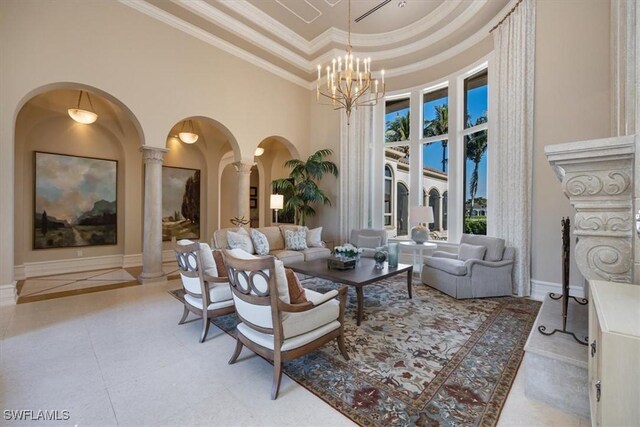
[{"x": 506, "y": 16}]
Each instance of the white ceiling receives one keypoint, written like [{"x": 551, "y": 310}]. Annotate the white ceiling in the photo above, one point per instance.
[{"x": 291, "y": 37}]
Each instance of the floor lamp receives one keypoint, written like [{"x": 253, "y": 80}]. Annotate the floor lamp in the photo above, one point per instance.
[{"x": 277, "y": 202}]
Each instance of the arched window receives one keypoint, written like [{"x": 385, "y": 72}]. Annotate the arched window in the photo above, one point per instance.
[
  {"x": 388, "y": 196},
  {"x": 434, "y": 202},
  {"x": 445, "y": 205},
  {"x": 403, "y": 210}
]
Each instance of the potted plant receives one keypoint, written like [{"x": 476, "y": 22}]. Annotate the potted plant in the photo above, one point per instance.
[{"x": 301, "y": 189}]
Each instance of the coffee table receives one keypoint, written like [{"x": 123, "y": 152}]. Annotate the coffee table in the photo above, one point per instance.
[{"x": 363, "y": 274}]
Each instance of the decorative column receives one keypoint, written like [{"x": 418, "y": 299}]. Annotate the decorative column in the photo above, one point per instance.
[
  {"x": 597, "y": 177},
  {"x": 152, "y": 236},
  {"x": 244, "y": 184}
]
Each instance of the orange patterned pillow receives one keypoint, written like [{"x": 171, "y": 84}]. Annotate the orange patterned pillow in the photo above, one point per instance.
[
  {"x": 296, "y": 291},
  {"x": 222, "y": 269}
]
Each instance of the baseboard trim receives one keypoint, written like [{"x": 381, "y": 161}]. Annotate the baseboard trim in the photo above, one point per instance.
[
  {"x": 8, "y": 294},
  {"x": 540, "y": 289}
]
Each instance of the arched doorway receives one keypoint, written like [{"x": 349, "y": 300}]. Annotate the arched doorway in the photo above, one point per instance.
[{"x": 402, "y": 208}]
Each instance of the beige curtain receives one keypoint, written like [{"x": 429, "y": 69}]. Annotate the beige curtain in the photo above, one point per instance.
[{"x": 514, "y": 45}]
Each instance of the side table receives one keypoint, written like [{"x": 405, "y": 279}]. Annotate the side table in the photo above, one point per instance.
[{"x": 417, "y": 250}]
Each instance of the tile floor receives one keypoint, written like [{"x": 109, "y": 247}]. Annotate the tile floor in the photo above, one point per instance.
[{"x": 118, "y": 357}]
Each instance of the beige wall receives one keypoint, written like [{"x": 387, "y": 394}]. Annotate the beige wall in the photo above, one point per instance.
[
  {"x": 572, "y": 103},
  {"x": 140, "y": 62}
]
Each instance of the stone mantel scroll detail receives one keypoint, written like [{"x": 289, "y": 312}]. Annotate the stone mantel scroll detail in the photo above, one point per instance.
[{"x": 597, "y": 177}]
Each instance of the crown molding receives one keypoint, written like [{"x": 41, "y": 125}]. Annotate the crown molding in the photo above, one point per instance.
[{"x": 179, "y": 24}]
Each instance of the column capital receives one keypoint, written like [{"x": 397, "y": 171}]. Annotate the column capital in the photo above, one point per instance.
[
  {"x": 152, "y": 154},
  {"x": 243, "y": 167}
]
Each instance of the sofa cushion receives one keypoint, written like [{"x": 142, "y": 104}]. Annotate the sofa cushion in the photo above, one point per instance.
[
  {"x": 314, "y": 238},
  {"x": 467, "y": 251},
  {"x": 260, "y": 242},
  {"x": 220, "y": 237},
  {"x": 240, "y": 240},
  {"x": 316, "y": 253},
  {"x": 296, "y": 291},
  {"x": 266, "y": 340},
  {"x": 368, "y": 241},
  {"x": 494, "y": 245},
  {"x": 274, "y": 237},
  {"x": 221, "y": 268},
  {"x": 295, "y": 240},
  {"x": 288, "y": 257},
  {"x": 451, "y": 266}
]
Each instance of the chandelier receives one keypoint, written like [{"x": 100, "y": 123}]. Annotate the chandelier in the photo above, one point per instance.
[{"x": 348, "y": 82}]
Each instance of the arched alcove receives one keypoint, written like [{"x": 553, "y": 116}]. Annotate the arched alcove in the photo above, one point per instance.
[
  {"x": 434, "y": 202},
  {"x": 402, "y": 209},
  {"x": 76, "y": 174},
  {"x": 270, "y": 165}
]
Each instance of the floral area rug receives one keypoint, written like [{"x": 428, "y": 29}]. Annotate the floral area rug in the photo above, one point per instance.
[{"x": 432, "y": 360}]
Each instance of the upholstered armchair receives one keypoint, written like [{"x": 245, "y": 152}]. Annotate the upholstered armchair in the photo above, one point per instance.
[
  {"x": 270, "y": 325},
  {"x": 368, "y": 239},
  {"x": 206, "y": 291},
  {"x": 482, "y": 268}
]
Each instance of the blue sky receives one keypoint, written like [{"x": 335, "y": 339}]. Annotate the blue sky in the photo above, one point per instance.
[{"x": 432, "y": 153}]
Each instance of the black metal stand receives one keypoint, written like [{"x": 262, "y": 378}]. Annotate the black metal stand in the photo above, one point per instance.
[{"x": 566, "y": 249}]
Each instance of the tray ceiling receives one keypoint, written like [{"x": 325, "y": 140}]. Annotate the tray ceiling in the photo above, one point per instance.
[{"x": 291, "y": 37}]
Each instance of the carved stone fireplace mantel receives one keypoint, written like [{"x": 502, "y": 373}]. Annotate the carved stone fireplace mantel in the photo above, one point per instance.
[{"x": 598, "y": 178}]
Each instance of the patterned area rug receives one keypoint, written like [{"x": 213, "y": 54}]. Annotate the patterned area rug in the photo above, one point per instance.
[{"x": 429, "y": 361}]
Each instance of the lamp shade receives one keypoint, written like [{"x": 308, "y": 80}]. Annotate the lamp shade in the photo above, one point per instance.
[
  {"x": 82, "y": 116},
  {"x": 277, "y": 201},
  {"x": 188, "y": 137},
  {"x": 420, "y": 214}
]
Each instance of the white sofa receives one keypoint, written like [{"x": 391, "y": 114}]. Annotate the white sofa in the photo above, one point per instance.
[{"x": 275, "y": 237}]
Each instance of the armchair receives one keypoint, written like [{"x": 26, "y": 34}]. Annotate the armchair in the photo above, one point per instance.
[
  {"x": 269, "y": 324},
  {"x": 368, "y": 239},
  {"x": 482, "y": 268},
  {"x": 206, "y": 294}
]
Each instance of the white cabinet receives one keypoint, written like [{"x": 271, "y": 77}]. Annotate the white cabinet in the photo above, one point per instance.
[{"x": 614, "y": 354}]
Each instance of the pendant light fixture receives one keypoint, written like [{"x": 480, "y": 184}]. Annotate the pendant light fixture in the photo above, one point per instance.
[
  {"x": 348, "y": 83},
  {"x": 188, "y": 137},
  {"x": 85, "y": 117}
]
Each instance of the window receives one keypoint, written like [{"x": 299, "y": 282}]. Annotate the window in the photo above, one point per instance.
[
  {"x": 475, "y": 153},
  {"x": 402, "y": 225},
  {"x": 452, "y": 145},
  {"x": 388, "y": 185}
]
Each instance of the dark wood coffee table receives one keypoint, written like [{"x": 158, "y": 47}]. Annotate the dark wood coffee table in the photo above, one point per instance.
[{"x": 363, "y": 274}]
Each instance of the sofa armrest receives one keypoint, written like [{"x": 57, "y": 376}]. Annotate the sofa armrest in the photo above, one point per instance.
[
  {"x": 470, "y": 263},
  {"x": 441, "y": 254}
]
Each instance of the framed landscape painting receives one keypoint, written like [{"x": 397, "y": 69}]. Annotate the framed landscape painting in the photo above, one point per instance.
[
  {"x": 180, "y": 203},
  {"x": 74, "y": 201}
]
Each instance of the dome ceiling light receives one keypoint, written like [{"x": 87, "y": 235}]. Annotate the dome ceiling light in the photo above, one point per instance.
[
  {"x": 349, "y": 87},
  {"x": 259, "y": 152},
  {"x": 188, "y": 137},
  {"x": 86, "y": 117}
]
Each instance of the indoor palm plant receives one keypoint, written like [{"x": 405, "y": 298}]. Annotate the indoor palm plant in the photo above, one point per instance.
[{"x": 301, "y": 189}]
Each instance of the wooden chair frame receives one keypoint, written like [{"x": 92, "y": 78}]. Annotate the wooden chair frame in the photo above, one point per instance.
[
  {"x": 256, "y": 267},
  {"x": 185, "y": 254}
]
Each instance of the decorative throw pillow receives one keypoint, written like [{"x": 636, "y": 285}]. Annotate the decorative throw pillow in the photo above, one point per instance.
[
  {"x": 296, "y": 291},
  {"x": 369, "y": 241},
  {"x": 295, "y": 240},
  {"x": 466, "y": 251},
  {"x": 260, "y": 242},
  {"x": 220, "y": 266},
  {"x": 314, "y": 238},
  {"x": 240, "y": 240}
]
